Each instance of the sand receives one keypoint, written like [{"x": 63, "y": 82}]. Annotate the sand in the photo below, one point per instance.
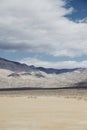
[{"x": 43, "y": 113}]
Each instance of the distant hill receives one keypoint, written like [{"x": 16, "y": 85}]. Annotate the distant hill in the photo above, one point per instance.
[
  {"x": 16, "y": 75},
  {"x": 18, "y": 67},
  {"x": 14, "y": 66},
  {"x": 56, "y": 71}
]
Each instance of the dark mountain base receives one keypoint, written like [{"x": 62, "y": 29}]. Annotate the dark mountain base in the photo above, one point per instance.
[
  {"x": 33, "y": 92},
  {"x": 32, "y": 88}
]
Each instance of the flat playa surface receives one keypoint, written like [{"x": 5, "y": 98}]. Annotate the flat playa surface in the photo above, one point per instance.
[
  {"x": 43, "y": 113},
  {"x": 47, "y": 92}
]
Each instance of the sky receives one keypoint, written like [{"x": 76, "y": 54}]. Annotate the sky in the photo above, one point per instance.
[{"x": 48, "y": 33}]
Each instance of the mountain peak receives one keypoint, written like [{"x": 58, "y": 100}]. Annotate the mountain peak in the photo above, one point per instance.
[
  {"x": 12, "y": 65},
  {"x": 18, "y": 67}
]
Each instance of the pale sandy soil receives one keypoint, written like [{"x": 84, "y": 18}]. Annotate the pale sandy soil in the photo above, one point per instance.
[{"x": 43, "y": 113}]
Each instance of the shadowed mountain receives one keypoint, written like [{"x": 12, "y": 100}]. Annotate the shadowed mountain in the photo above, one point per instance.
[
  {"x": 14, "y": 66},
  {"x": 56, "y": 71},
  {"x": 18, "y": 67},
  {"x": 82, "y": 84},
  {"x": 18, "y": 75}
]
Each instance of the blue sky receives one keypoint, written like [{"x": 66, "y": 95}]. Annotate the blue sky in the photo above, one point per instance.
[
  {"x": 52, "y": 34},
  {"x": 80, "y": 7}
]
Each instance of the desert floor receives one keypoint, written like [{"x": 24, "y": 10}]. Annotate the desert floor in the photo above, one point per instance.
[{"x": 43, "y": 113}]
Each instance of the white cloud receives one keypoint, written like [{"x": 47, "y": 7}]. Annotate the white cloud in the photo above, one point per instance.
[
  {"x": 82, "y": 20},
  {"x": 59, "y": 65},
  {"x": 40, "y": 27}
]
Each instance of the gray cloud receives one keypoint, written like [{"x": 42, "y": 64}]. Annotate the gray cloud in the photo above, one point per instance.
[{"x": 40, "y": 27}]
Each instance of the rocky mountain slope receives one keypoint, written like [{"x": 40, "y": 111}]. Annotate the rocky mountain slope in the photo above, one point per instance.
[
  {"x": 15, "y": 75},
  {"x": 14, "y": 66}
]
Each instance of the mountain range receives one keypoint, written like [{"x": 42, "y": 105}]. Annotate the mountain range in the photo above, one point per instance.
[
  {"x": 17, "y": 75},
  {"x": 19, "y": 67}
]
